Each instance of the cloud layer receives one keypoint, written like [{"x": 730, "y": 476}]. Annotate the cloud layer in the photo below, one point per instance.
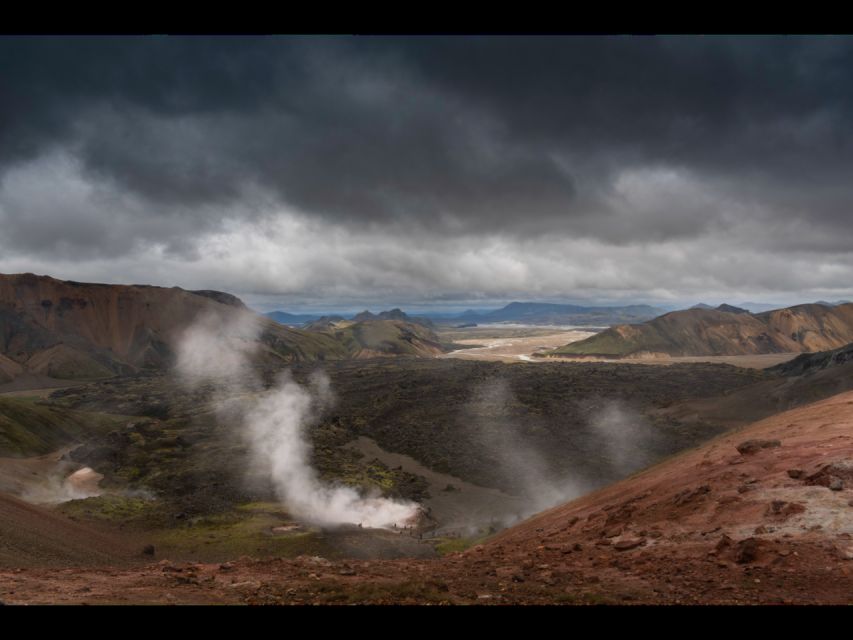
[{"x": 445, "y": 170}]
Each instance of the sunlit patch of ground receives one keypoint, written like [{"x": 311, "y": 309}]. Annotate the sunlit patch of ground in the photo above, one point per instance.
[
  {"x": 517, "y": 348},
  {"x": 524, "y": 343},
  {"x": 48, "y": 479}
]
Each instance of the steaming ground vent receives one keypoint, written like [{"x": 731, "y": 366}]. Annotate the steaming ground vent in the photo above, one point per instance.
[{"x": 220, "y": 352}]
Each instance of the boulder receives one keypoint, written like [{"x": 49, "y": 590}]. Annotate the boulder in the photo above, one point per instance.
[{"x": 750, "y": 447}]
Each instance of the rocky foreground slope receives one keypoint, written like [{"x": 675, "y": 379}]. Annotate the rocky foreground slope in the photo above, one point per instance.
[
  {"x": 34, "y": 535},
  {"x": 723, "y": 331},
  {"x": 760, "y": 515}
]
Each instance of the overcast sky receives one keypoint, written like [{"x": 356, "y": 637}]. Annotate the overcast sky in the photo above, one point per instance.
[{"x": 337, "y": 173}]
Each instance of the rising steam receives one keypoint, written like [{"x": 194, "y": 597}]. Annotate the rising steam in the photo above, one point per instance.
[
  {"x": 620, "y": 439},
  {"x": 627, "y": 440},
  {"x": 520, "y": 462},
  {"x": 218, "y": 350}
]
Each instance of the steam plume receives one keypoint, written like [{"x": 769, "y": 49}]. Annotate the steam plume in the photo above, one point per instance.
[
  {"x": 516, "y": 458},
  {"x": 627, "y": 440},
  {"x": 624, "y": 441},
  {"x": 219, "y": 350}
]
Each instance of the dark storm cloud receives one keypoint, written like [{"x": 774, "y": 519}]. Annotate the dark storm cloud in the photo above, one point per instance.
[
  {"x": 112, "y": 145},
  {"x": 516, "y": 132}
]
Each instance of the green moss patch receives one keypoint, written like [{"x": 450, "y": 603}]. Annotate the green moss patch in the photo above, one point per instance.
[{"x": 31, "y": 427}]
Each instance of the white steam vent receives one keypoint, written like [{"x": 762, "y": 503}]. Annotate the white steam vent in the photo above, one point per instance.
[{"x": 219, "y": 351}]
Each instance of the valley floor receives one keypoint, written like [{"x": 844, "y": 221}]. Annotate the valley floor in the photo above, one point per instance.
[
  {"x": 513, "y": 349},
  {"x": 762, "y": 515},
  {"x": 523, "y": 343}
]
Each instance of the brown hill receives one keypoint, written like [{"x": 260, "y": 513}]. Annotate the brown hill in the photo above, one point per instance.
[
  {"x": 35, "y": 536},
  {"x": 69, "y": 330},
  {"x": 60, "y": 329},
  {"x": 712, "y": 332}
]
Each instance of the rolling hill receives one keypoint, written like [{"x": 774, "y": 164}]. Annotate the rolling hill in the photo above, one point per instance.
[
  {"x": 36, "y": 536},
  {"x": 374, "y": 337},
  {"x": 725, "y": 330},
  {"x": 54, "y": 329}
]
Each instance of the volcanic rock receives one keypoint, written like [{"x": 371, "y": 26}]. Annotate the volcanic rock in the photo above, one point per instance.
[
  {"x": 689, "y": 494},
  {"x": 749, "y": 447},
  {"x": 833, "y": 475},
  {"x": 628, "y": 543},
  {"x": 746, "y": 551}
]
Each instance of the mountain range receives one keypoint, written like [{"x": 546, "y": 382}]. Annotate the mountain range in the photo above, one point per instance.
[{"x": 541, "y": 313}]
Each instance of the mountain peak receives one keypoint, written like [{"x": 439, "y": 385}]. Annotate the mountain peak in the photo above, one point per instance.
[{"x": 728, "y": 308}]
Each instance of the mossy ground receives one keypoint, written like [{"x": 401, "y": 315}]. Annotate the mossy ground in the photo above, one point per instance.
[
  {"x": 114, "y": 510},
  {"x": 195, "y": 461},
  {"x": 31, "y": 426},
  {"x": 248, "y": 530},
  {"x": 423, "y": 408},
  {"x": 445, "y": 546}
]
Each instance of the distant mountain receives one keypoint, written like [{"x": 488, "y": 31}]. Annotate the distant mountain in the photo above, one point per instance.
[
  {"x": 541, "y": 313},
  {"x": 833, "y": 304},
  {"x": 315, "y": 321},
  {"x": 750, "y": 307},
  {"x": 393, "y": 314},
  {"x": 380, "y": 338},
  {"x": 323, "y": 323},
  {"x": 291, "y": 319},
  {"x": 760, "y": 307},
  {"x": 566, "y": 314},
  {"x": 389, "y": 333},
  {"x": 701, "y": 332},
  {"x": 727, "y": 308}
]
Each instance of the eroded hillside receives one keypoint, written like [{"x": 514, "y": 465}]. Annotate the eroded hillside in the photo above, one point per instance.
[
  {"x": 715, "y": 332},
  {"x": 53, "y": 329}
]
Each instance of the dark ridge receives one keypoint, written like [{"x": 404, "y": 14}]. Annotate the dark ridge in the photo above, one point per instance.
[
  {"x": 221, "y": 296},
  {"x": 808, "y": 362},
  {"x": 727, "y": 308}
]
